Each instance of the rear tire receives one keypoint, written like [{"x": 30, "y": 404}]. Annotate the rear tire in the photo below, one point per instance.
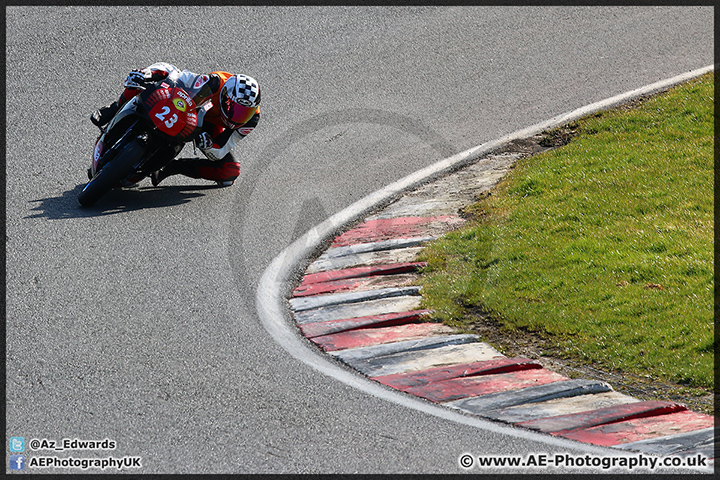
[{"x": 112, "y": 173}]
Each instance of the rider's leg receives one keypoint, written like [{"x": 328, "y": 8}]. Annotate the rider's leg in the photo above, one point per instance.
[{"x": 223, "y": 172}]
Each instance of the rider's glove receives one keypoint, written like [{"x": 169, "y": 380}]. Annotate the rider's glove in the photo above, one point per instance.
[
  {"x": 204, "y": 141},
  {"x": 135, "y": 79}
]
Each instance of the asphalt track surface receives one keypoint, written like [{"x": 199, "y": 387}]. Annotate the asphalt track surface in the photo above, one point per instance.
[{"x": 135, "y": 320}]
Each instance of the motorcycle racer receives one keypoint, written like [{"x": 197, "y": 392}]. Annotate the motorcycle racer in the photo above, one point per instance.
[{"x": 231, "y": 111}]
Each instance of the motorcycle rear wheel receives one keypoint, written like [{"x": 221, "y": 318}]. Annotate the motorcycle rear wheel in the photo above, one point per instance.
[{"x": 112, "y": 173}]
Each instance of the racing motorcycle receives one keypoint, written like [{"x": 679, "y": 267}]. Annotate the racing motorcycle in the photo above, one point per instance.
[{"x": 145, "y": 135}]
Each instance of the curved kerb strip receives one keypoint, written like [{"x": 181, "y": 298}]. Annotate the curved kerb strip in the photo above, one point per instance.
[{"x": 277, "y": 280}]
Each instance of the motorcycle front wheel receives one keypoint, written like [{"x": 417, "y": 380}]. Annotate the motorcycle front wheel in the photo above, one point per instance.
[{"x": 111, "y": 174}]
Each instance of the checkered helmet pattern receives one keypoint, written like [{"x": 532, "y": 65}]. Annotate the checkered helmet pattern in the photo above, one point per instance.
[{"x": 243, "y": 90}]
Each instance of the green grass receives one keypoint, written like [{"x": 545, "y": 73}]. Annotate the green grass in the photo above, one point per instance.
[{"x": 603, "y": 246}]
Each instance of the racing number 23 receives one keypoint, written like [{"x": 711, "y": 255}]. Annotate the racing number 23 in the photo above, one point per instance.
[{"x": 170, "y": 121}]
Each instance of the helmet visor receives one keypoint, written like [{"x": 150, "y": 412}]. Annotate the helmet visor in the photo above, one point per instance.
[{"x": 235, "y": 114}]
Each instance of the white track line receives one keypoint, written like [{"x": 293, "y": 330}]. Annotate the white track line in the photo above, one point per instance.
[{"x": 276, "y": 281}]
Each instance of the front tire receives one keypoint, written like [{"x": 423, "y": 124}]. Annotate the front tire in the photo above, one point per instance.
[{"x": 112, "y": 173}]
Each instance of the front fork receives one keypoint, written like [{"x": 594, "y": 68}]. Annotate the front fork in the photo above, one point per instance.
[
  {"x": 102, "y": 158},
  {"x": 158, "y": 154},
  {"x": 161, "y": 155}
]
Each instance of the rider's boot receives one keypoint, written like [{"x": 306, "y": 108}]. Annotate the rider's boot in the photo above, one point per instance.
[
  {"x": 156, "y": 177},
  {"x": 102, "y": 116},
  {"x": 173, "y": 168}
]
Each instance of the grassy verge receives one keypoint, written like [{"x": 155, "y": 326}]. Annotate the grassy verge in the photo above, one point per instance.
[{"x": 603, "y": 247}]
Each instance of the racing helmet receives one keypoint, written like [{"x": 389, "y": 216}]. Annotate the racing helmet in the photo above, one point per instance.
[{"x": 239, "y": 100}]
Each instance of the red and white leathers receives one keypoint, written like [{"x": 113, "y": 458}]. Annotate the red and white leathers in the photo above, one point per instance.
[{"x": 219, "y": 165}]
